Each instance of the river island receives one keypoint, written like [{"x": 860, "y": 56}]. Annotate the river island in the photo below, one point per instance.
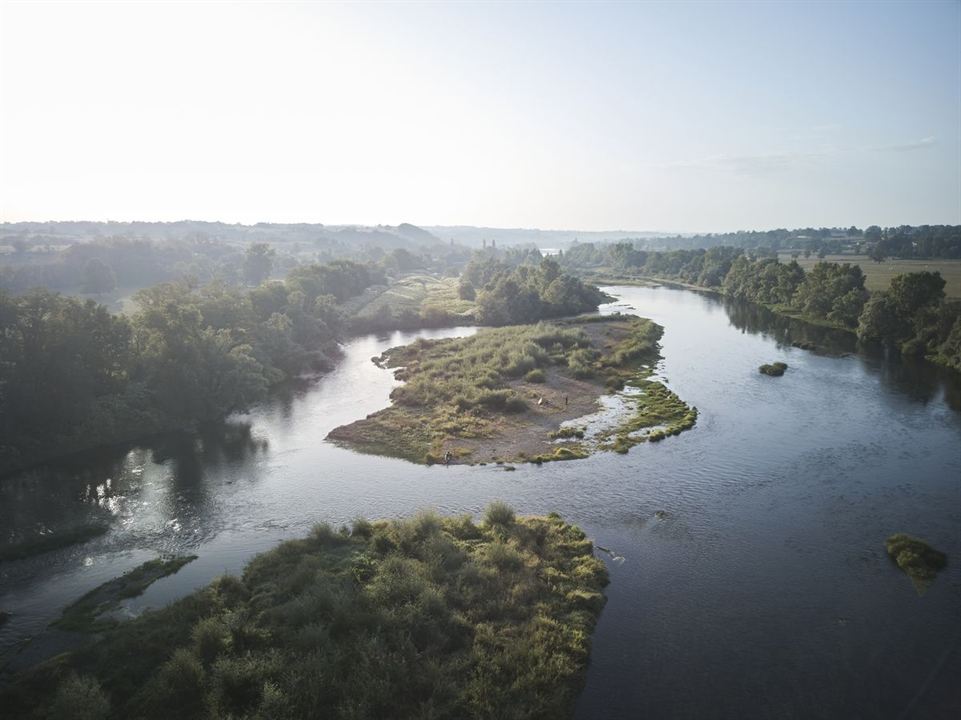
[
  {"x": 556, "y": 390},
  {"x": 426, "y": 617}
]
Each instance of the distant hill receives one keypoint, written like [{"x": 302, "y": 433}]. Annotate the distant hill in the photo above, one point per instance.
[
  {"x": 318, "y": 235},
  {"x": 475, "y": 236}
]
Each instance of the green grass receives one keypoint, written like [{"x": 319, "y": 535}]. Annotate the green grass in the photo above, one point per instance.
[
  {"x": 466, "y": 388},
  {"x": 84, "y": 614},
  {"x": 45, "y": 543},
  {"x": 659, "y": 410},
  {"x": 878, "y": 276},
  {"x": 413, "y": 301},
  {"x": 916, "y": 558},
  {"x": 426, "y": 617}
]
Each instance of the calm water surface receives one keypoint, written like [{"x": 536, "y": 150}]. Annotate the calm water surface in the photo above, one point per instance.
[{"x": 762, "y": 589}]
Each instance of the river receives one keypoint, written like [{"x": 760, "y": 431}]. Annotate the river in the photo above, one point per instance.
[{"x": 754, "y": 582}]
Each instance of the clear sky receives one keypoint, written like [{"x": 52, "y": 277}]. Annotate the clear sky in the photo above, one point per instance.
[{"x": 680, "y": 116}]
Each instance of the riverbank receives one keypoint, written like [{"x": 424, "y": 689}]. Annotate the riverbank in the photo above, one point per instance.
[
  {"x": 654, "y": 281},
  {"x": 428, "y": 616},
  {"x": 517, "y": 394}
]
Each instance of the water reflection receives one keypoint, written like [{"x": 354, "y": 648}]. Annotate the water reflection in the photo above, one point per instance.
[{"x": 919, "y": 379}]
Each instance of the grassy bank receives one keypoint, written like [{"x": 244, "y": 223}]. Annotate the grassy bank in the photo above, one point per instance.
[
  {"x": 502, "y": 394},
  {"x": 429, "y": 617}
]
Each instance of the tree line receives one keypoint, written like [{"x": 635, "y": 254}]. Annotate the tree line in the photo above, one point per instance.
[
  {"x": 72, "y": 375},
  {"x": 905, "y": 241},
  {"x": 912, "y": 315}
]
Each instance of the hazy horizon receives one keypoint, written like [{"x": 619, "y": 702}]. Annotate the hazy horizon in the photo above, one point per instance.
[{"x": 680, "y": 118}]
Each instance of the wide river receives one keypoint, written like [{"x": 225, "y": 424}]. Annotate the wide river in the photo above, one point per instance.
[{"x": 754, "y": 582}]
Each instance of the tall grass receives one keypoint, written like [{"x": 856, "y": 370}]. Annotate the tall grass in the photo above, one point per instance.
[{"x": 427, "y": 617}]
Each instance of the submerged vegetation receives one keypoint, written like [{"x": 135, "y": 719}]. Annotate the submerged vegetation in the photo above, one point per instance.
[
  {"x": 84, "y": 614},
  {"x": 427, "y": 617},
  {"x": 505, "y": 391},
  {"x": 773, "y": 369},
  {"x": 916, "y": 558}
]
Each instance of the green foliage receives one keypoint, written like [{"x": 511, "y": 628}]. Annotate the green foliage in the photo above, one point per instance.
[
  {"x": 535, "y": 376},
  {"x": 912, "y": 315},
  {"x": 468, "y": 387},
  {"x": 499, "y": 514},
  {"x": 916, "y": 558},
  {"x": 526, "y": 293},
  {"x": 98, "y": 277},
  {"x": 258, "y": 262},
  {"x": 659, "y": 411},
  {"x": 84, "y": 614},
  {"x": 79, "y": 697},
  {"x": 774, "y": 369},
  {"x": 73, "y": 376},
  {"x": 429, "y": 617}
]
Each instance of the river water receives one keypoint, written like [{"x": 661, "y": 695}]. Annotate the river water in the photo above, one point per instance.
[{"x": 754, "y": 582}]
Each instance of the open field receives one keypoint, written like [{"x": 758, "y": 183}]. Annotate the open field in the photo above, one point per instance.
[
  {"x": 878, "y": 275},
  {"x": 410, "y": 302},
  {"x": 526, "y": 393}
]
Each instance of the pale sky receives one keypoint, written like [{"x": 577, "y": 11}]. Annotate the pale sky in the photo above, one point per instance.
[{"x": 674, "y": 117}]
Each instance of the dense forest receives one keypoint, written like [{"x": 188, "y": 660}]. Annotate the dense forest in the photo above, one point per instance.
[
  {"x": 73, "y": 375},
  {"x": 912, "y": 315}
]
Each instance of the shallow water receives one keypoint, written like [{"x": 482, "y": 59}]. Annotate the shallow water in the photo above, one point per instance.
[{"x": 761, "y": 590}]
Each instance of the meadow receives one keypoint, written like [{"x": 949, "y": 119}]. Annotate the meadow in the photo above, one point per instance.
[
  {"x": 411, "y": 302},
  {"x": 878, "y": 276}
]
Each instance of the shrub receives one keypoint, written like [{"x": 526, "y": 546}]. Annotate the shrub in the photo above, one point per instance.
[
  {"x": 774, "y": 369},
  {"x": 80, "y": 697},
  {"x": 181, "y": 685},
  {"x": 499, "y": 515},
  {"x": 361, "y": 528},
  {"x": 535, "y": 376},
  {"x": 211, "y": 637},
  {"x": 504, "y": 557}
]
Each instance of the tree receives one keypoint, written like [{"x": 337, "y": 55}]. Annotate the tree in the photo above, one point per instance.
[
  {"x": 465, "y": 290},
  {"x": 880, "y": 320},
  {"x": 912, "y": 291},
  {"x": 258, "y": 262},
  {"x": 98, "y": 277}
]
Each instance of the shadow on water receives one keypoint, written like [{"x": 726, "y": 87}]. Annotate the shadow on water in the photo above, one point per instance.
[{"x": 90, "y": 487}]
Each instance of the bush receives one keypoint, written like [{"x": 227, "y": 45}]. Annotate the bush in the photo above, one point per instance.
[
  {"x": 535, "y": 376},
  {"x": 79, "y": 697},
  {"x": 499, "y": 514},
  {"x": 774, "y": 370},
  {"x": 211, "y": 637},
  {"x": 181, "y": 680}
]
